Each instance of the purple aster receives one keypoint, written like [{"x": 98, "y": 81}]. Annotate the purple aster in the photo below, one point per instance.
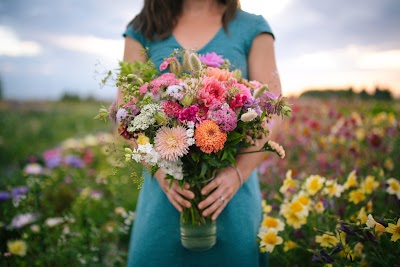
[
  {"x": 5, "y": 195},
  {"x": 212, "y": 59},
  {"x": 52, "y": 158},
  {"x": 74, "y": 161},
  {"x": 19, "y": 190},
  {"x": 224, "y": 116}
]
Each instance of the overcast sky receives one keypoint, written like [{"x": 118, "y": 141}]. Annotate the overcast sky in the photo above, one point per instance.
[{"x": 50, "y": 47}]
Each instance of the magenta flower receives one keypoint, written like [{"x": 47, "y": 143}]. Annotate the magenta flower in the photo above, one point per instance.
[
  {"x": 212, "y": 60},
  {"x": 172, "y": 109},
  {"x": 188, "y": 114}
]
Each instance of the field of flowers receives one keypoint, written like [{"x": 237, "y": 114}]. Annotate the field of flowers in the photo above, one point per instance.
[{"x": 62, "y": 204}]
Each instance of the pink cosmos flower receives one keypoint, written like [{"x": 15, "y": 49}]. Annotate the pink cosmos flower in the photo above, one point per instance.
[
  {"x": 211, "y": 92},
  {"x": 171, "y": 143},
  {"x": 212, "y": 59}
]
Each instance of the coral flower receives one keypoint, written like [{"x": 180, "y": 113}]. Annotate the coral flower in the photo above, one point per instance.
[
  {"x": 212, "y": 92},
  {"x": 209, "y": 137},
  {"x": 171, "y": 143},
  {"x": 220, "y": 74}
]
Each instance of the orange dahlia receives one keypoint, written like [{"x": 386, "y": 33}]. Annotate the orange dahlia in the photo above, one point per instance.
[{"x": 209, "y": 137}]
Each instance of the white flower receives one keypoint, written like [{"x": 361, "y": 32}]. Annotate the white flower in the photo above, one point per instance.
[
  {"x": 51, "y": 222},
  {"x": 278, "y": 148},
  {"x": 22, "y": 220},
  {"x": 191, "y": 141},
  {"x": 175, "y": 91},
  {"x": 137, "y": 157},
  {"x": 173, "y": 168},
  {"x": 145, "y": 149},
  {"x": 33, "y": 169},
  {"x": 189, "y": 132},
  {"x": 249, "y": 115},
  {"x": 145, "y": 118},
  {"x": 190, "y": 124}
]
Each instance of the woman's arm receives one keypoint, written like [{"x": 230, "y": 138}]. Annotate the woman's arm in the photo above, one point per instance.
[
  {"x": 134, "y": 51},
  {"x": 262, "y": 67}
]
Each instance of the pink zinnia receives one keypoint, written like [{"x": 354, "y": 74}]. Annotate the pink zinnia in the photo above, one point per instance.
[
  {"x": 172, "y": 109},
  {"x": 212, "y": 59},
  {"x": 211, "y": 92},
  {"x": 171, "y": 143}
]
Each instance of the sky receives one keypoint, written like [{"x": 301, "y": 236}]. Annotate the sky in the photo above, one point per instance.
[{"x": 49, "y": 47}]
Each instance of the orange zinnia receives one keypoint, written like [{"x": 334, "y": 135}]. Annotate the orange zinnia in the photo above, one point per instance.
[{"x": 209, "y": 137}]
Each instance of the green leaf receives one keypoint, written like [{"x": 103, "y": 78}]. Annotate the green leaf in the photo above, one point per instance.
[{"x": 204, "y": 168}]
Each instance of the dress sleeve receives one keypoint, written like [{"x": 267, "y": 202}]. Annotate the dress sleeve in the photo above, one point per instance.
[
  {"x": 258, "y": 26},
  {"x": 135, "y": 35}
]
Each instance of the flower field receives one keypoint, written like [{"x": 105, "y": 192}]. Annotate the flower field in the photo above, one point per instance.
[{"x": 61, "y": 204}]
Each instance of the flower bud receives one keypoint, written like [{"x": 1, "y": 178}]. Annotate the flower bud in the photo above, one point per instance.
[
  {"x": 175, "y": 67},
  {"x": 161, "y": 118},
  {"x": 260, "y": 91},
  {"x": 287, "y": 111},
  {"x": 237, "y": 74},
  {"x": 195, "y": 63},
  {"x": 186, "y": 66},
  {"x": 187, "y": 100},
  {"x": 128, "y": 150}
]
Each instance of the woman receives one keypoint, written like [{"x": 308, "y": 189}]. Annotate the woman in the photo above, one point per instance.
[{"x": 247, "y": 41}]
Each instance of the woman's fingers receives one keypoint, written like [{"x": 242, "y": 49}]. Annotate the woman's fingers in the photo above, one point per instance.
[
  {"x": 183, "y": 191},
  {"x": 218, "y": 211},
  {"x": 211, "y": 186}
]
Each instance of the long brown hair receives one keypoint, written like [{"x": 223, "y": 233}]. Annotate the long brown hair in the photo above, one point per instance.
[{"x": 158, "y": 17}]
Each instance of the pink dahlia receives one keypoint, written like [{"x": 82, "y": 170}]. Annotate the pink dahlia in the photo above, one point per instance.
[
  {"x": 171, "y": 143},
  {"x": 212, "y": 59},
  {"x": 211, "y": 92}
]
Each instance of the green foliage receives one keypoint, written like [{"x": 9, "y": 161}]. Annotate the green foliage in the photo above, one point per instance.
[{"x": 379, "y": 94}]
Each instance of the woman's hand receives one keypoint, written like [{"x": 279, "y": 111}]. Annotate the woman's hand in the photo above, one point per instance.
[
  {"x": 223, "y": 188},
  {"x": 175, "y": 193}
]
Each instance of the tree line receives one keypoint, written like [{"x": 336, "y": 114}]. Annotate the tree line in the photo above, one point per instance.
[{"x": 377, "y": 94}]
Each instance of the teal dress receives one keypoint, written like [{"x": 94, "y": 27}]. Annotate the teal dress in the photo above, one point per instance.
[{"x": 155, "y": 237}]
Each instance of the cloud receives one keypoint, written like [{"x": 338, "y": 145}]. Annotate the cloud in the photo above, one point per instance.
[
  {"x": 11, "y": 45},
  {"x": 267, "y": 8},
  {"x": 90, "y": 44}
]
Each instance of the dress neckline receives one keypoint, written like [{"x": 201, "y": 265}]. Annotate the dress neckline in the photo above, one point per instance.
[{"x": 204, "y": 46}]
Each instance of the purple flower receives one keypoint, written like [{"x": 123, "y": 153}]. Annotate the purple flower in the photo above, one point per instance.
[
  {"x": 5, "y": 195},
  {"x": 74, "y": 161},
  {"x": 224, "y": 116},
  {"x": 52, "y": 158},
  {"x": 121, "y": 114},
  {"x": 22, "y": 220},
  {"x": 212, "y": 60},
  {"x": 19, "y": 190}
]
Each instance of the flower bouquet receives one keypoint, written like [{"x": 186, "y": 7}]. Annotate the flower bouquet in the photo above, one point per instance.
[{"x": 191, "y": 122}]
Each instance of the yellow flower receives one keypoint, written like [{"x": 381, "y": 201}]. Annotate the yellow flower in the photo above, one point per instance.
[
  {"x": 295, "y": 220},
  {"x": 360, "y": 134},
  {"x": 389, "y": 165},
  {"x": 319, "y": 207},
  {"x": 351, "y": 180},
  {"x": 333, "y": 189},
  {"x": 266, "y": 208},
  {"x": 273, "y": 223},
  {"x": 394, "y": 187},
  {"x": 298, "y": 208},
  {"x": 358, "y": 248},
  {"x": 303, "y": 199},
  {"x": 327, "y": 240},
  {"x": 269, "y": 239},
  {"x": 369, "y": 206},
  {"x": 143, "y": 139},
  {"x": 289, "y": 245},
  {"x": 17, "y": 247},
  {"x": 347, "y": 252},
  {"x": 356, "y": 196},
  {"x": 313, "y": 184},
  {"x": 288, "y": 182},
  {"x": 369, "y": 185},
  {"x": 379, "y": 228},
  {"x": 362, "y": 216},
  {"x": 394, "y": 230}
]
